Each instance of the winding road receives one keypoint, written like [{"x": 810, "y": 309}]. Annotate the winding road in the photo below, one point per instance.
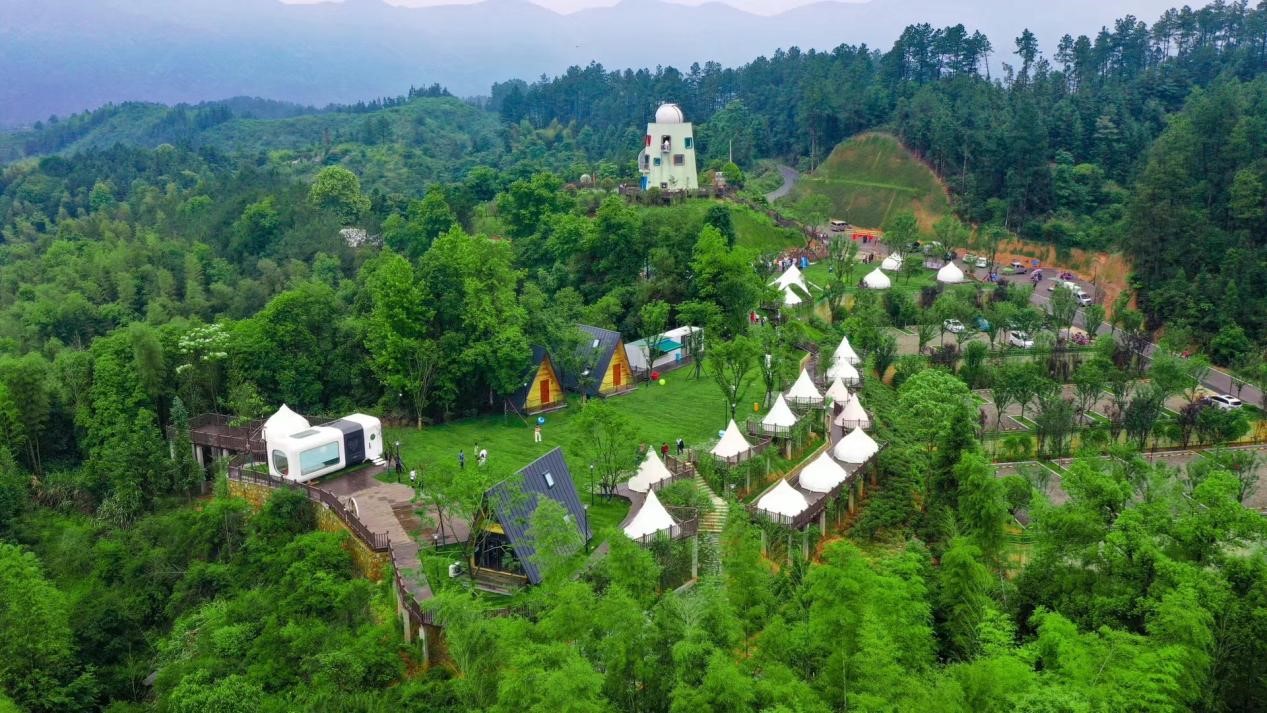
[{"x": 789, "y": 179}]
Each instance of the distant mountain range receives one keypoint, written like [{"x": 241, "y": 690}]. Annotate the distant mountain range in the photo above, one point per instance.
[{"x": 63, "y": 56}]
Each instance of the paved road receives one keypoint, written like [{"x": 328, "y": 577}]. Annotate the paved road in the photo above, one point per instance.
[
  {"x": 1217, "y": 380},
  {"x": 789, "y": 179}
]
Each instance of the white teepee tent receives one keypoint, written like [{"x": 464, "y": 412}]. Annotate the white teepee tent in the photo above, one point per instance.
[
  {"x": 846, "y": 372},
  {"x": 877, "y": 280},
  {"x": 780, "y": 415},
  {"x": 804, "y": 391},
  {"x": 791, "y": 276},
  {"x": 950, "y": 274},
  {"x": 853, "y": 415},
  {"x": 891, "y": 263},
  {"x": 783, "y": 500},
  {"x": 651, "y": 518},
  {"x": 855, "y": 448},
  {"x": 837, "y": 392},
  {"x": 845, "y": 351},
  {"x": 790, "y": 298},
  {"x": 822, "y": 474},
  {"x": 732, "y": 442},
  {"x": 651, "y": 471}
]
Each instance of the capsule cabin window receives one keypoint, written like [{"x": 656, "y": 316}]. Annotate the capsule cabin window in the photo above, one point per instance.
[
  {"x": 679, "y": 159},
  {"x": 657, "y": 161},
  {"x": 688, "y": 142},
  {"x": 281, "y": 463}
]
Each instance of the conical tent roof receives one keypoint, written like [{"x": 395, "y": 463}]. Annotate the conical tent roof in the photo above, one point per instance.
[
  {"x": 891, "y": 263},
  {"x": 790, "y": 298},
  {"x": 804, "y": 389},
  {"x": 791, "y": 276},
  {"x": 950, "y": 274},
  {"x": 650, "y": 519},
  {"x": 843, "y": 370},
  {"x": 877, "y": 280},
  {"x": 837, "y": 392},
  {"x": 732, "y": 442},
  {"x": 855, "y": 448},
  {"x": 780, "y": 415},
  {"x": 284, "y": 423},
  {"x": 783, "y": 500},
  {"x": 822, "y": 474},
  {"x": 845, "y": 351},
  {"x": 651, "y": 471},
  {"x": 853, "y": 415}
]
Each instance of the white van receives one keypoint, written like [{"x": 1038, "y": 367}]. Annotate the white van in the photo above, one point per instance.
[{"x": 839, "y": 226}]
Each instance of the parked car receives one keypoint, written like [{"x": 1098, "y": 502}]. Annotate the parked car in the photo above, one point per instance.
[
  {"x": 839, "y": 226},
  {"x": 1018, "y": 267},
  {"x": 981, "y": 262},
  {"x": 1226, "y": 402},
  {"x": 969, "y": 259},
  {"x": 913, "y": 247},
  {"x": 1020, "y": 339},
  {"x": 953, "y": 326}
]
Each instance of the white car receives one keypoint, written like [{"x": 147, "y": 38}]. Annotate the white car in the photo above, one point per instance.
[
  {"x": 981, "y": 262},
  {"x": 1020, "y": 339},
  {"x": 953, "y": 326},
  {"x": 1224, "y": 401}
]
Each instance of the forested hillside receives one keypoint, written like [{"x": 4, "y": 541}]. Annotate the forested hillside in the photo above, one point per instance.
[
  {"x": 1015, "y": 542},
  {"x": 1052, "y": 151}
]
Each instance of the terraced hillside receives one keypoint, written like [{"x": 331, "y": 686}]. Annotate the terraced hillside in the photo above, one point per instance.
[{"x": 871, "y": 176}]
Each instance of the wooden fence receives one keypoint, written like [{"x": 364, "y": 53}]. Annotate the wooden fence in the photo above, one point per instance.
[{"x": 376, "y": 541}]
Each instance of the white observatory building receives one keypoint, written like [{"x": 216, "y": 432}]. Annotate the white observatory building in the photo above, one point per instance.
[{"x": 667, "y": 160}]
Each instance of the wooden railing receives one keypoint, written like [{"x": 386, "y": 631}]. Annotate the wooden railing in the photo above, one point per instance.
[
  {"x": 686, "y": 524},
  {"x": 376, "y": 541}
]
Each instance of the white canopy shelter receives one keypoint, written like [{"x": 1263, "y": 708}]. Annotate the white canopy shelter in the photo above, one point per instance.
[
  {"x": 651, "y": 518},
  {"x": 853, "y": 415},
  {"x": 804, "y": 390},
  {"x": 844, "y": 371},
  {"x": 780, "y": 415},
  {"x": 891, "y": 263},
  {"x": 783, "y": 500},
  {"x": 950, "y": 274},
  {"x": 790, "y": 298},
  {"x": 877, "y": 280},
  {"x": 845, "y": 351},
  {"x": 837, "y": 392},
  {"x": 823, "y": 474},
  {"x": 792, "y": 276},
  {"x": 855, "y": 448},
  {"x": 732, "y": 442},
  {"x": 649, "y": 473},
  {"x": 284, "y": 423}
]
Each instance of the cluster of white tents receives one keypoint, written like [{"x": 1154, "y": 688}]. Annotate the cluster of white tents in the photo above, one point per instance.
[
  {"x": 823, "y": 475},
  {"x": 832, "y": 467}
]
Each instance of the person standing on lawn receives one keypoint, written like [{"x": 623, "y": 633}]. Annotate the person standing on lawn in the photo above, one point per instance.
[
  {"x": 536, "y": 434},
  {"x": 461, "y": 460}
]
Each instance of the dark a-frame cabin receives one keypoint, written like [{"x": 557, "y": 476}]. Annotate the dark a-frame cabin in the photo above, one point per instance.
[{"x": 503, "y": 556}]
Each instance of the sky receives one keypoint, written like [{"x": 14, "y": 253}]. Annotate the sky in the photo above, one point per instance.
[{"x": 1148, "y": 9}]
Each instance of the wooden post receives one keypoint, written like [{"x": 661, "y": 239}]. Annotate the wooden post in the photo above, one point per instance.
[
  {"x": 851, "y": 500},
  {"x": 763, "y": 548},
  {"x": 805, "y": 542},
  {"x": 695, "y": 557},
  {"x": 822, "y": 520}
]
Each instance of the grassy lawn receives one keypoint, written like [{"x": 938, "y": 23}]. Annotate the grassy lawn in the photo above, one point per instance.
[
  {"x": 871, "y": 176},
  {"x": 758, "y": 232},
  {"x": 685, "y": 407},
  {"x": 818, "y": 275}
]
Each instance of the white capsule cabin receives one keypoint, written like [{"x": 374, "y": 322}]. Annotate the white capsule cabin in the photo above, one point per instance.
[
  {"x": 667, "y": 160},
  {"x": 320, "y": 450}
]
